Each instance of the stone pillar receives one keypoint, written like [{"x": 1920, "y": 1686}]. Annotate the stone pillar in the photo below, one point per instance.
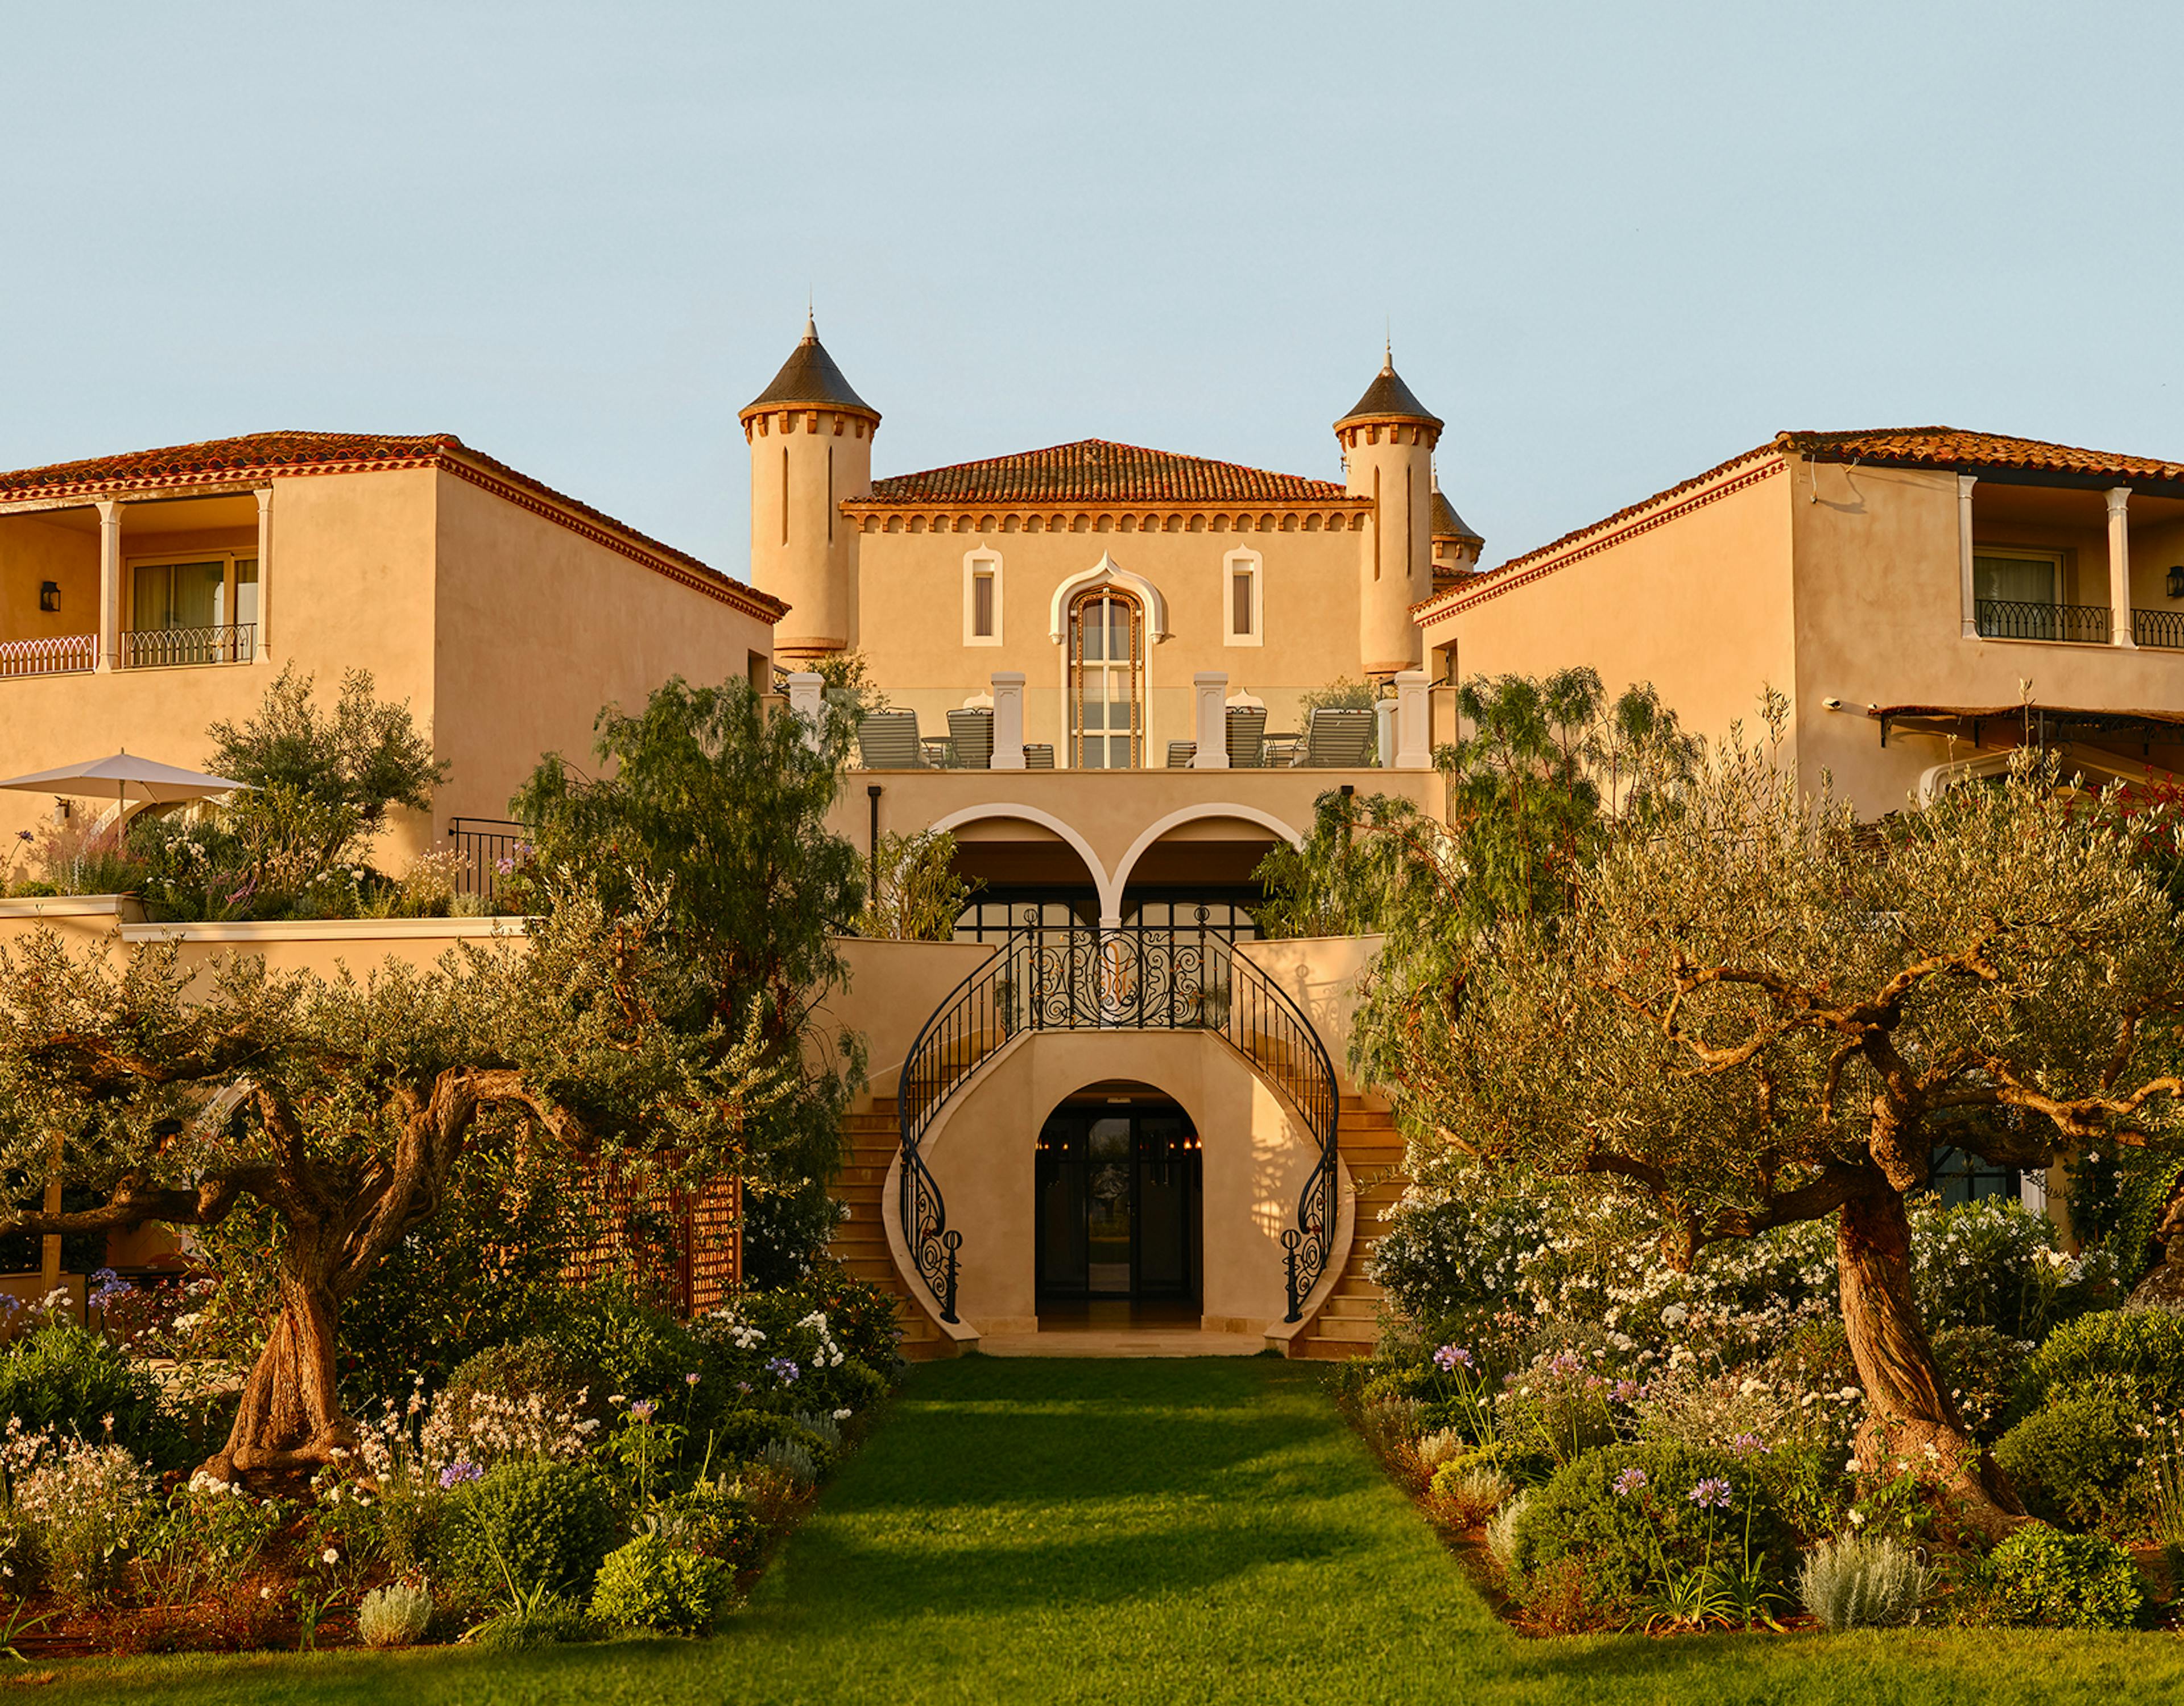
[
  {"x": 109, "y": 582},
  {"x": 1209, "y": 690},
  {"x": 2118, "y": 499},
  {"x": 1964, "y": 584},
  {"x": 807, "y": 699},
  {"x": 1008, "y": 689},
  {"x": 265, "y": 496},
  {"x": 1413, "y": 720},
  {"x": 1384, "y": 727}
]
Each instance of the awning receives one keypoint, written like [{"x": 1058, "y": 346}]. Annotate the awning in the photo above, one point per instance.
[{"x": 2035, "y": 724}]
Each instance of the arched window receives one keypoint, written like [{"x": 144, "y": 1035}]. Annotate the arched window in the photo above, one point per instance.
[{"x": 1106, "y": 681}]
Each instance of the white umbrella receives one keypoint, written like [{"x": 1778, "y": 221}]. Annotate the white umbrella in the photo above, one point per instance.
[{"x": 153, "y": 784}]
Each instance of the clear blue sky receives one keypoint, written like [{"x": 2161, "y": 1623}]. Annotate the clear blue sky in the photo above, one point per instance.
[{"x": 1617, "y": 243}]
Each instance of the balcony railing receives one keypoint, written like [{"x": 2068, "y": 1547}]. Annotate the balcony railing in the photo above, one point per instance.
[
  {"x": 2022, "y": 619},
  {"x": 2158, "y": 627},
  {"x": 49, "y": 654},
  {"x": 157, "y": 647}
]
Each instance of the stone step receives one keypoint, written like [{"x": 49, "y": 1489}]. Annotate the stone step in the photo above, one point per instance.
[
  {"x": 1348, "y": 1329},
  {"x": 1332, "y": 1350},
  {"x": 1339, "y": 1307}
]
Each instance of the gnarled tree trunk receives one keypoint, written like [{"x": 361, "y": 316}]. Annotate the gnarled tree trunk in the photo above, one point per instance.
[
  {"x": 1912, "y": 1418},
  {"x": 291, "y": 1415}
]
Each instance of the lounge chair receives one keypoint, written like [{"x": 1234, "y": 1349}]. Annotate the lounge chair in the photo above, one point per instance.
[
  {"x": 888, "y": 740},
  {"x": 1247, "y": 737},
  {"x": 971, "y": 733},
  {"x": 1038, "y": 755},
  {"x": 1180, "y": 753},
  {"x": 1337, "y": 739}
]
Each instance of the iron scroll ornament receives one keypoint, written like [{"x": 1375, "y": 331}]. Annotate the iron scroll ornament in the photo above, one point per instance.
[{"x": 1072, "y": 977}]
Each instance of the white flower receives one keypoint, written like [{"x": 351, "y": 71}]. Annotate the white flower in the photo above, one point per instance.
[{"x": 330, "y": 1556}]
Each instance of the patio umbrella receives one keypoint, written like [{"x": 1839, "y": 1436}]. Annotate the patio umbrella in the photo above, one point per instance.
[{"x": 151, "y": 784}]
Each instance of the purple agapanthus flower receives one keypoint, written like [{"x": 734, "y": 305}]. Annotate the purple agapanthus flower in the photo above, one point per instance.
[
  {"x": 463, "y": 1469},
  {"x": 642, "y": 1409},
  {"x": 1626, "y": 1392},
  {"x": 1450, "y": 1357},
  {"x": 1745, "y": 1445},
  {"x": 1713, "y": 1491},
  {"x": 783, "y": 1369},
  {"x": 1629, "y": 1482}
]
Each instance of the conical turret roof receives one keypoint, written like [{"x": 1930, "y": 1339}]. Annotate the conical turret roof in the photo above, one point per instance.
[
  {"x": 1388, "y": 398},
  {"x": 810, "y": 379},
  {"x": 1446, "y": 524}
]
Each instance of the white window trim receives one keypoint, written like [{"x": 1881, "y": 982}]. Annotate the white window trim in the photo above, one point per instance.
[
  {"x": 1256, "y": 565},
  {"x": 974, "y": 564},
  {"x": 2057, "y": 557}
]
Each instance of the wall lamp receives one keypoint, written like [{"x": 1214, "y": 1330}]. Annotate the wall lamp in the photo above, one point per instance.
[
  {"x": 49, "y": 593},
  {"x": 2177, "y": 581}
]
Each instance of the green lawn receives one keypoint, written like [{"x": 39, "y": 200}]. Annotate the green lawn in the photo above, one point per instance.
[{"x": 1205, "y": 1531}]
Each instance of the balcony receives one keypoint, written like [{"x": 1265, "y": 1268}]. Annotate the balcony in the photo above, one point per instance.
[
  {"x": 2020, "y": 618},
  {"x": 49, "y": 654},
  {"x": 167, "y": 648}
]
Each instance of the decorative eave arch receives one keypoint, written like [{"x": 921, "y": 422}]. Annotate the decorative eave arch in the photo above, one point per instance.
[
  {"x": 1107, "y": 573},
  {"x": 1190, "y": 814},
  {"x": 1044, "y": 820}
]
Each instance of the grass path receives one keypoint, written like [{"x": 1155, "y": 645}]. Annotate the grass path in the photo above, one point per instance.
[{"x": 1041, "y": 1532}]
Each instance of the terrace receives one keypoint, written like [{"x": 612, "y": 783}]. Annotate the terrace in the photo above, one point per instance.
[{"x": 2072, "y": 565}]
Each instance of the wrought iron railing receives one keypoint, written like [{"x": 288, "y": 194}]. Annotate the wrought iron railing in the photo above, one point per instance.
[
  {"x": 156, "y": 648},
  {"x": 49, "y": 654},
  {"x": 1060, "y": 976},
  {"x": 491, "y": 849},
  {"x": 2024, "y": 619},
  {"x": 2164, "y": 627}
]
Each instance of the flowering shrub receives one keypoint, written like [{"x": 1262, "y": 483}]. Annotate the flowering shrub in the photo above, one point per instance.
[
  {"x": 208, "y": 1538},
  {"x": 528, "y": 1399},
  {"x": 86, "y": 1509},
  {"x": 1629, "y": 1514},
  {"x": 59, "y": 1375}
]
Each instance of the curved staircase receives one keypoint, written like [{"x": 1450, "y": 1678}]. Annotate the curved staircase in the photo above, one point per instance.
[
  {"x": 870, "y": 1137},
  {"x": 1371, "y": 1148}
]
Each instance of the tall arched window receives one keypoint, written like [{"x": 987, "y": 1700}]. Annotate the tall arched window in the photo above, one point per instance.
[{"x": 1106, "y": 681}]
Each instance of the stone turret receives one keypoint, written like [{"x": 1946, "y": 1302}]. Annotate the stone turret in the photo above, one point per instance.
[
  {"x": 811, "y": 437},
  {"x": 1387, "y": 443}
]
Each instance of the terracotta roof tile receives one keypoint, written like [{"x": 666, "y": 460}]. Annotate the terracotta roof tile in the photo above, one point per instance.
[
  {"x": 1951, "y": 447},
  {"x": 225, "y": 462},
  {"x": 1092, "y": 470}
]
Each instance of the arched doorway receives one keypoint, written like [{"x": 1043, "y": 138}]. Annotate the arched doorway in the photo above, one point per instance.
[
  {"x": 1106, "y": 681},
  {"x": 1120, "y": 1187}
]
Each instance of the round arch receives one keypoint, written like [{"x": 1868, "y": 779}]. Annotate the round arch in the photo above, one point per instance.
[
  {"x": 1107, "y": 573},
  {"x": 1111, "y": 901},
  {"x": 1044, "y": 820}
]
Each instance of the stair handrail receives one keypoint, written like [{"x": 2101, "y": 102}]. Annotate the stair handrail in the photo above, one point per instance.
[{"x": 1075, "y": 977}]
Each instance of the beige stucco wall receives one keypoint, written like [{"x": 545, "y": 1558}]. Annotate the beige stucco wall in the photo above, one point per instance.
[
  {"x": 893, "y": 989},
  {"x": 36, "y": 548},
  {"x": 536, "y": 627},
  {"x": 1879, "y": 610},
  {"x": 1256, "y": 1156},
  {"x": 911, "y": 626},
  {"x": 1700, "y": 606},
  {"x": 1320, "y": 974}
]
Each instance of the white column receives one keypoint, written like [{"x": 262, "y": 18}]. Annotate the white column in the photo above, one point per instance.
[
  {"x": 1209, "y": 690},
  {"x": 1008, "y": 688},
  {"x": 1413, "y": 720},
  {"x": 807, "y": 699},
  {"x": 109, "y": 582},
  {"x": 2118, "y": 499},
  {"x": 1384, "y": 728},
  {"x": 264, "y": 495},
  {"x": 1964, "y": 484}
]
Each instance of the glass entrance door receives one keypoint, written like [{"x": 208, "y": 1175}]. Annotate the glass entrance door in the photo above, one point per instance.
[{"x": 1119, "y": 1203}]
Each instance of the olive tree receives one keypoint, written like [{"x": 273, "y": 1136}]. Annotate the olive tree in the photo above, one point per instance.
[
  {"x": 1757, "y": 1013},
  {"x": 343, "y": 1105}
]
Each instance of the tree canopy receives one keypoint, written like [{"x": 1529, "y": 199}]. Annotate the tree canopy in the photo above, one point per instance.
[
  {"x": 1757, "y": 1012},
  {"x": 720, "y": 810}
]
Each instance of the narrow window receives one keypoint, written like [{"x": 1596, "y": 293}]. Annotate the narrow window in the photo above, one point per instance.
[
  {"x": 830, "y": 494},
  {"x": 1380, "y": 523},
  {"x": 1410, "y": 516},
  {"x": 784, "y": 494},
  {"x": 1240, "y": 596},
  {"x": 981, "y": 603},
  {"x": 982, "y": 612}
]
